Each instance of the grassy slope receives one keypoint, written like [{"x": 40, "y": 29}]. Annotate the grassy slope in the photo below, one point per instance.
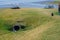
[{"x": 39, "y": 24}]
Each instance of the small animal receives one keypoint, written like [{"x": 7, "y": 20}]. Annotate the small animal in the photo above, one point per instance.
[{"x": 52, "y": 14}]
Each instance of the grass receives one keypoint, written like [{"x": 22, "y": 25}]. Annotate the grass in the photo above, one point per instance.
[
  {"x": 56, "y": 13},
  {"x": 52, "y": 33},
  {"x": 39, "y": 24},
  {"x": 30, "y": 18}
]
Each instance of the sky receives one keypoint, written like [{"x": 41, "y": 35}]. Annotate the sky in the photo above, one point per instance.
[
  {"x": 4, "y": 3},
  {"x": 17, "y": 1}
]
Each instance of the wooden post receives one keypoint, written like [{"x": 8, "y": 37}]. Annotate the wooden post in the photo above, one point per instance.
[{"x": 59, "y": 8}]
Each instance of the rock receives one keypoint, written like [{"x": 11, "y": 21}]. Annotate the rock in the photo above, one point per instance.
[{"x": 52, "y": 14}]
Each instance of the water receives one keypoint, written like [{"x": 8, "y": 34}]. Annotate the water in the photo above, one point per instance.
[
  {"x": 27, "y": 5},
  {"x": 35, "y": 5}
]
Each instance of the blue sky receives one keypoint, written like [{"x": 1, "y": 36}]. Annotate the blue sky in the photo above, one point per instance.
[{"x": 17, "y": 1}]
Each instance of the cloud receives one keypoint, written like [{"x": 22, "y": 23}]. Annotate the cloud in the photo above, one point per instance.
[{"x": 18, "y": 1}]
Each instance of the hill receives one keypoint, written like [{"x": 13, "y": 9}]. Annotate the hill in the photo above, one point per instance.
[{"x": 40, "y": 25}]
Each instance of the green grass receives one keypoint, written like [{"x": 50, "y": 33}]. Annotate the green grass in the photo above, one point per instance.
[
  {"x": 32, "y": 18},
  {"x": 52, "y": 33},
  {"x": 56, "y": 13}
]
